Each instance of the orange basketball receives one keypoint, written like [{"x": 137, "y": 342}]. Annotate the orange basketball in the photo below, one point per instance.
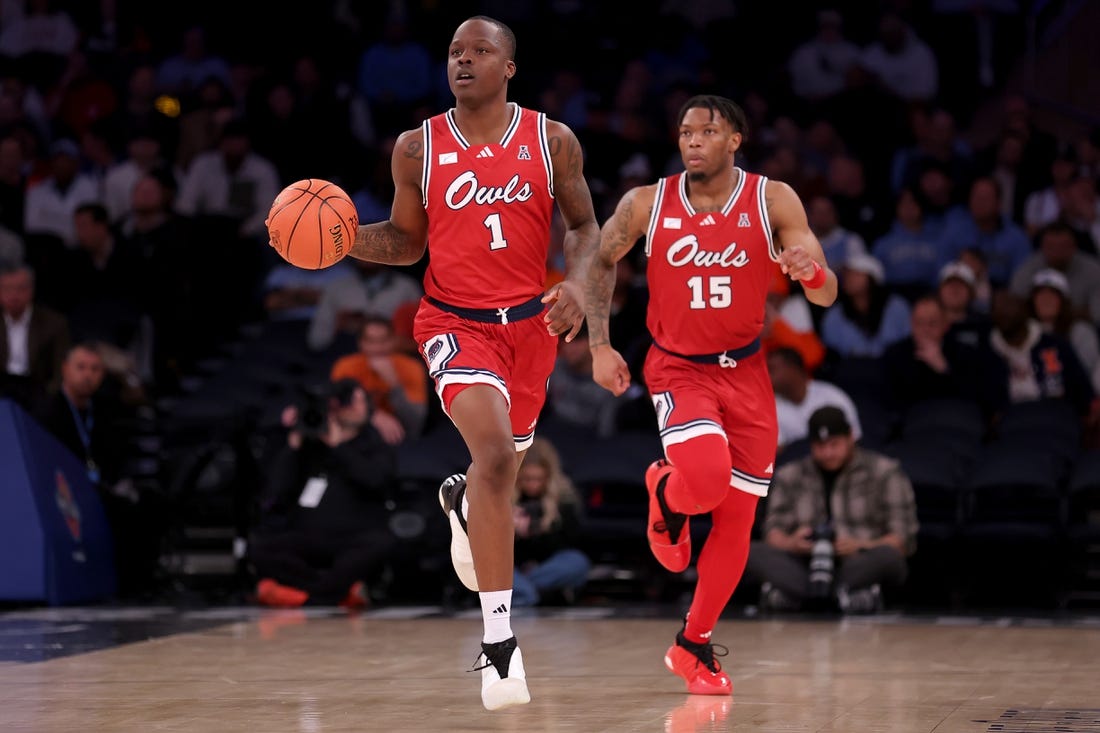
[{"x": 312, "y": 224}]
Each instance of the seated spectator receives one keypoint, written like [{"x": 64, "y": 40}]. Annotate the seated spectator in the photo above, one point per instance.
[
  {"x": 867, "y": 316},
  {"x": 396, "y": 383},
  {"x": 818, "y": 68},
  {"x": 956, "y": 295},
  {"x": 52, "y": 201},
  {"x": 798, "y": 395},
  {"x": 1058, "y": 250},
  {"x": 88, "y": 419},
  {"x": 573, "y": 397},
  {"x": 926, "y": 365},
  {"x": 323, "y": 534},
  {"x": 547, "y": 516},
  {"x": 1039, "y": 365},
  {"x": 33, "y": 341},
  {"x": 371, "y": 289},
  {"x": 910, "y": 251},
  {"x": 982, "y": 299},
  {"x": 843, "y": 502},
  {"x": 788, "y": 323},
  {"x": 1044, "y": 206},
  {"x": 837, "y": 242},
  {"x": 1082, "y": 214},
  {"x": 291, "y": 293},
  {"x": 11, "y": 248},
  {"x": 1050, "y": 306},
  {"x": 1003, "y": 243}
]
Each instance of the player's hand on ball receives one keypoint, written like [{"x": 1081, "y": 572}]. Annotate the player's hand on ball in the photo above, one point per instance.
[
  {"x": 566, "y": 315},
  {"x": 609, "y": 370}
]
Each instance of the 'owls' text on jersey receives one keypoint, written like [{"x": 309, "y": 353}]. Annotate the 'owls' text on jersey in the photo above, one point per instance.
[
  {"x": 708, "y": 272},
  {"x": 489, "y": 209}
]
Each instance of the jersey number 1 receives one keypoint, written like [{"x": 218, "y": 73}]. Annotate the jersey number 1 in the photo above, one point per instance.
[
  {"x": 492, "y": 223},
  {"x": 718, "y": 293}
]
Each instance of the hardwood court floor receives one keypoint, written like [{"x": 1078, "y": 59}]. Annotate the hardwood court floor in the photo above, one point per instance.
[{"x": 405, "y": 670}]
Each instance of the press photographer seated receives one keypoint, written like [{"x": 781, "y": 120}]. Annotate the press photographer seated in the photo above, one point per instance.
[
  {"x": 323, "y": 534},
  {"x": 842, "y": 504}
]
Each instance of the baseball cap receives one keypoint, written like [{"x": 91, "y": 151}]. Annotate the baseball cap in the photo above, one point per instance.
[
  {"x": 1050, "y": 278},
  {"x": 959, "y": 271},
  {"x": 828, "y": 422},
  {"x": 866, "y": 264}
]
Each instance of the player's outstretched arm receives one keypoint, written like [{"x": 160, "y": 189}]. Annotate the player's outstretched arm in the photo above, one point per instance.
[
  {"x": 403, "y": 238},
  {"x": 618, "y": 235},
  {"x": 582, "y": 232},
  {"x": 801, "y": 258}
]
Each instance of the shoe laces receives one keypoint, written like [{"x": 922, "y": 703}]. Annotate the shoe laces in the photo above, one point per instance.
[{"x": 705, "y": 653}]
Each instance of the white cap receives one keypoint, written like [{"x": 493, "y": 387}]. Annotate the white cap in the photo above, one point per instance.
[
  {"x": 1049, "y": 278},
  {"x": 959, "y": 271},
  {"x": 868, "y": 265}
]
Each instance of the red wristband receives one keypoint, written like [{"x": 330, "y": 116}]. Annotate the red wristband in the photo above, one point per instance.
[{"x": 815, "y": 281}]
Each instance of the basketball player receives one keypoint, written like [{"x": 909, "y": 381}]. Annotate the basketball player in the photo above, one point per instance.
[
  {"x": 480, "y": 182},
  {"x": 713, "y": 235}
]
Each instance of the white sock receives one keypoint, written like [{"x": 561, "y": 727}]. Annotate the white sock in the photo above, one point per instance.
[{"x": 496, "y": 611}]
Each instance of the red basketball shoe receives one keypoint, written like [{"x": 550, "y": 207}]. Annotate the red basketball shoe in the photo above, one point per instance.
[
  {"x": 666, "y": 530},
  {"x": 697, "y": 665}
]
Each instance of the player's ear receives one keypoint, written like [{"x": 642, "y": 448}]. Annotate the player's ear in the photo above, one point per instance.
[
  {"x": 735, "y": 142},
  {"x": 509, "y": 69}
]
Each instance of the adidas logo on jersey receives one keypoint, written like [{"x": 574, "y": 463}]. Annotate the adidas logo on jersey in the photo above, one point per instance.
[
  {"x": 708, "y": 220},
  {"x": 485, "y": 153}
]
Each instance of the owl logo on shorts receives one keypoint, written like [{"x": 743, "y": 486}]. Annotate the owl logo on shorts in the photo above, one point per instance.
[{"x": 433, "y": 350}]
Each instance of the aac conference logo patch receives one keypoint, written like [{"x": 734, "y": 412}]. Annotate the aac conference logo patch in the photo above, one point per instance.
[{"x": 70, "y": 512}]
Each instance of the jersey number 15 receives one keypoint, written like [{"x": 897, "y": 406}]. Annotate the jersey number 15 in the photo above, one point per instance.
[{"x": 717, "y": 292}]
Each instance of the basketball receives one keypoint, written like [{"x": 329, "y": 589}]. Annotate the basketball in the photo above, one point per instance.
[{"x": 312, "y": 224}]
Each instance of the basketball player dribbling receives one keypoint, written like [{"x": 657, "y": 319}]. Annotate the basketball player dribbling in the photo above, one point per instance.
[
  {"x": 713, "y": 234},
  {"x": 479, "y": 183}
]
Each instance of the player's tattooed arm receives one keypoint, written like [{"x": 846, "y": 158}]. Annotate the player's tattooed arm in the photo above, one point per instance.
[
  {"x": 582, "y": 231},
  {"x": 402, "y": 239},
  {"x": 617, "y": 237}
]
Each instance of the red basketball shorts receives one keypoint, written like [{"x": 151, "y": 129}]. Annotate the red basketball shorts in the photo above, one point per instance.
[
  {"x": 708, "y": 399},
  {"x": 515, "y": 358}
]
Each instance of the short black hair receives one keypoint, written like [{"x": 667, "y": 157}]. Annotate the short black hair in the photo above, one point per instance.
[
  {"x": 721, "y": 106},
  {"x": 791, "y": 357},
  {"x": 505, "y": 32}
]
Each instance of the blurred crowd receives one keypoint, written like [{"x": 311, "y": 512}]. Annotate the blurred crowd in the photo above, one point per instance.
[{"x": 141, "y": 147}]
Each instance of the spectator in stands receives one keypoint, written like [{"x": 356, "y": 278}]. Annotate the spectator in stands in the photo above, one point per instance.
[
  {"x": 33, "y": 340},
  {"x": 956, "y": 295},
  {"x": 548, "y": 515},
  {"x": 788, "y": 323},
  {"x": 52, "y": 201},
  {"x": 975, "y": 259},
  {"x": 1051, "y": 308},
  {"x": 844, "y": 501},
  {"x": 1058, "y": 250},
  {"x": 901, "y": 62},
  {"x": 144, "y": 154},
  {"x": 574, "y": 398},
  {"x": 937, "y": 147},
  {"x": 1082, "y": 212},
  {"x": 291, "y": 293},
  {"x": 85, "y": 415},
  {"x": 926, "y": 365},
  {"x": 838, "y": 243},
  {"x": 1045, "y": 205},
  {"x": 181, "y": 73},
  {"x": 396, "y": 383},
  {"x": 372, "y": 289},
  {"x": 13, "y": 183},
  {"x": 323, "y": 534},
  {"x": 869, "y": 316},
  {"x": 231, "y": 181},
  {"x": 1039, "y": 365},
  {"x": 798, "y": 395},
  {"x": 1004, "y": 243},
  {"x": 910, "y": 251},
  {"x": 819, "y": 67}
]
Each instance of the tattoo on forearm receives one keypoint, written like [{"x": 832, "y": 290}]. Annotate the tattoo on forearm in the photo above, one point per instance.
[{"x": 382, "y": 243}]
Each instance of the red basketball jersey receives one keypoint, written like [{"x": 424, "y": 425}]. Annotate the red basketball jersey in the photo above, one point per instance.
[
  {"x": 489, "y": 210},
  {"x": 708, "y": 272}
]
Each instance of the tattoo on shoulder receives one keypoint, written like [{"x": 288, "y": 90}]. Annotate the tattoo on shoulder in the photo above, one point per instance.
[{"x": 414, "y": 150}]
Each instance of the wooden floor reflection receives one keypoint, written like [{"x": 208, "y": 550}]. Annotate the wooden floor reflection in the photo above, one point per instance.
[{"x": 287, "y": 671}]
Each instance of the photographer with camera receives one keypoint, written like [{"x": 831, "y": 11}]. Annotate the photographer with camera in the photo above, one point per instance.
[
  {"x": 323, "y": 533},
  {"x": 842, "y": 505}
]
